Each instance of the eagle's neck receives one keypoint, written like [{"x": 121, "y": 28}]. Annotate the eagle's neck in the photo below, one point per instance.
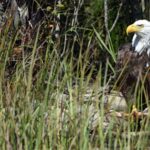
[{"x": 141, "y": 43}]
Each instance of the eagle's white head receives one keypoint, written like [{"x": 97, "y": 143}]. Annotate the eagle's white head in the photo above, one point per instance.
[{"x": 141, "y": 38}]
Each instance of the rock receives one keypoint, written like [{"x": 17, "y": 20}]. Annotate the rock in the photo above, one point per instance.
[{"x": 116, "y": 101}]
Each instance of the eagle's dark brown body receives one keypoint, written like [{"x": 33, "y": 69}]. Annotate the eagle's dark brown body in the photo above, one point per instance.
[{"x": 133, "y": 75}]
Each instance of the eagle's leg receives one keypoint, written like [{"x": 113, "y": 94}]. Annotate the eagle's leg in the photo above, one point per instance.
[{"x": 134, "y": 111}]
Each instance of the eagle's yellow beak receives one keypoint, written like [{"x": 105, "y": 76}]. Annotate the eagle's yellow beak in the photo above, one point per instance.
[{"x": 132, "y": 28}]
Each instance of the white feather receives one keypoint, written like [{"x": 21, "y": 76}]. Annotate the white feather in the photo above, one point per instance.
[{"x": 141, "y": 39}]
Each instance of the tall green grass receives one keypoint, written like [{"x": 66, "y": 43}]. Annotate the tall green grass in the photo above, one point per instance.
[{"x": 46, "y": 103}]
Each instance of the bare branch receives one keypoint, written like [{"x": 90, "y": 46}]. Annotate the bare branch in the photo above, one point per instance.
[
  {"x": 106, "y": 20},
  {"x": 143, "y": 5},
  {"x": 117, "y": 17},
  {"x": 106, "y": 15}
]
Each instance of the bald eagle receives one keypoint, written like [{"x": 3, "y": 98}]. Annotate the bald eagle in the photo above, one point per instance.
[{"x": 131, "y": 66}]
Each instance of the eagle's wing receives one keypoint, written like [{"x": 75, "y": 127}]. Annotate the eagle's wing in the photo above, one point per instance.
[{"x": 132, "y": 71}]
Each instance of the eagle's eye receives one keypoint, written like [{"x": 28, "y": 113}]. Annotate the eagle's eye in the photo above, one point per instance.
[{"x": 140, "y": 25}]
